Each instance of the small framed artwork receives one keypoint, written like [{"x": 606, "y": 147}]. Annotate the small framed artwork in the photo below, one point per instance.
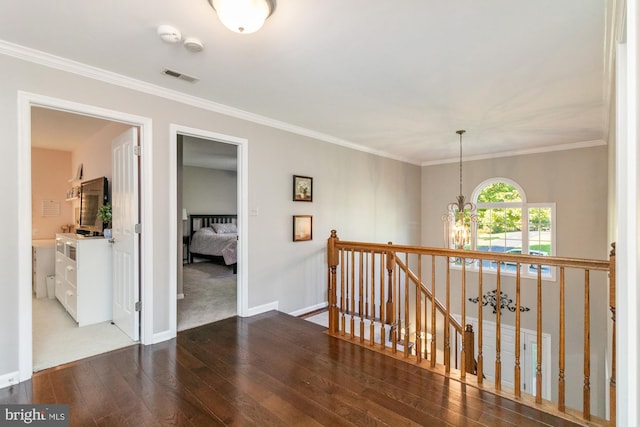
[
  {"x": 302, "y": 188},
  {"x": 302, "y": 228}
]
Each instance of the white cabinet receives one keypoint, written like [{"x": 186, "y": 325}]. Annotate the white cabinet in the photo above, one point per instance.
[
  {"x": 83, "y": 282},
  {"x": 43, "y": 265}
]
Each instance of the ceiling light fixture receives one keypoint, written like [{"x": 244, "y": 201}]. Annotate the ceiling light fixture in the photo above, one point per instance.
[
  {"x": 460, "y": 219},
  {"x": 243, "y": 16}
]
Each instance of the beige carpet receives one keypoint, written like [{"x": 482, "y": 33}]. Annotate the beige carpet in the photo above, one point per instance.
[
  {"x": 210, "y": 294},
  {"x": 57, "y": 339}
]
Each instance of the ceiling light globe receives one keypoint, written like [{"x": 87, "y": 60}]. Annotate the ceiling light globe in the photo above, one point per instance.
[{"x": 242, "y": 16}]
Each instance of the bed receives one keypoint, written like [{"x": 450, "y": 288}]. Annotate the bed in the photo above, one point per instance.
[{"x": 214, "y": 237}]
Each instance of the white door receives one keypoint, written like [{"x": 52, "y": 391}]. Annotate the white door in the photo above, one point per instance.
[{"x": 126, "y": 243}]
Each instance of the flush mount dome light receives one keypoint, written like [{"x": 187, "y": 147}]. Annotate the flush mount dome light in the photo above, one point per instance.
[{"x": 243, "y": 16}]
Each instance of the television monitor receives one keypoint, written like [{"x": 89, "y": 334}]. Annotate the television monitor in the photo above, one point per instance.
[{"x": 93, "y": 195}]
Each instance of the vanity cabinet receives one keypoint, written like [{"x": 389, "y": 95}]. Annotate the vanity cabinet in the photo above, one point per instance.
[{"x": 83, "y": 282}]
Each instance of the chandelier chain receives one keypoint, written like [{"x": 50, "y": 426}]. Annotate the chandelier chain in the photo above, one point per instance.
[{"x": 460, "y": 132}]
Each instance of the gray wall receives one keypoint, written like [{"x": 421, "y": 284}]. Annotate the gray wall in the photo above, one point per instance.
[
  {"x": 576, "y": 180},
  {"x": 208, "y": 191},
  {"x": 363, "y": 196}
]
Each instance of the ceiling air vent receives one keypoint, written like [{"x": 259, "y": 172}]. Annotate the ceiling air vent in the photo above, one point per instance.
[{"x": 180, "y": 76}]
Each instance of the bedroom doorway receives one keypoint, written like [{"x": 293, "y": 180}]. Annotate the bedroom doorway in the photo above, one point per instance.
[{"x": 208, "y": 210}]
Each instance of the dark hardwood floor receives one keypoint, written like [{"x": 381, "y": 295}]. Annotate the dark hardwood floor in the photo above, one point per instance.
[{"x": 267, "y": 370}]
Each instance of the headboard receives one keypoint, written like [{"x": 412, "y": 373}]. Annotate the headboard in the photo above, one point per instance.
[{"x": 199, "y": 221}]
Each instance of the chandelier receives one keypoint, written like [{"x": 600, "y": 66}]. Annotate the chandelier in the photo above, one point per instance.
[
  {"x": 243, "y": 16},
  {"x": 460, "y": 219}
]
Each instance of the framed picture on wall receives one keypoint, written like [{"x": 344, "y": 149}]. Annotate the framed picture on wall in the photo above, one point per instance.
[
  {"x": 302, "y": 228},
  {"x": 302, "y": 188}
]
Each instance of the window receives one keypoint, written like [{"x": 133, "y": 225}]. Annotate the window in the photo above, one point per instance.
[{"x": 507, "y": 223}]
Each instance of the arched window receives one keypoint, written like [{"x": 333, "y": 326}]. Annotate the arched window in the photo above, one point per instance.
[{"x": 507, "y": 223}]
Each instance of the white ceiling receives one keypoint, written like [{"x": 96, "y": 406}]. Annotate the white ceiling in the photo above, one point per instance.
[
  {"x": 392, "y": 77},
  {"x": 205, "y": 153},
  {"x": 59, "y": 130}
]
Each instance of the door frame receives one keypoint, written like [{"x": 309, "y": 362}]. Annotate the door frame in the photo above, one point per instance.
[
  {"x": 26, "y": 100},
  {"x": 242, "y": 145}
]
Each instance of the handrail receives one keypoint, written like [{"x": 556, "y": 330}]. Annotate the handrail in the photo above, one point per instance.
[
  {"x": 441, "y": 308},
  {"x": 589, "y": 264}
]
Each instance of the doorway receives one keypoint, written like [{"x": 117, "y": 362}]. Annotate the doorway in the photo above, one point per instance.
[
  {"x": 71, "y": 319},
  {"x": 26, "y": 102},
  {"x": 207, "y": 191},
  {"x": 209, "y": 139}
]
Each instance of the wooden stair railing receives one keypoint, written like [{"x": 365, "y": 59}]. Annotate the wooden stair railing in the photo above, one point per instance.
[
  {"x": 470, "y": 364},
  {"x": 373, "y": 284}
]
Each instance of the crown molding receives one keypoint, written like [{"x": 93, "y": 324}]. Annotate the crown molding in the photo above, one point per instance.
[{"x": 548, "y": 149}]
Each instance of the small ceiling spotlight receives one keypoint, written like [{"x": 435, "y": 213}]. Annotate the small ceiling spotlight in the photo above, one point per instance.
[
  {"x": 169, "y": 34},
  {"x": 243, "y": 16}
]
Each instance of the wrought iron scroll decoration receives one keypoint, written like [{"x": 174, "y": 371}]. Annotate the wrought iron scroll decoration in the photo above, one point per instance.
[{"x": 491, "y": 299}]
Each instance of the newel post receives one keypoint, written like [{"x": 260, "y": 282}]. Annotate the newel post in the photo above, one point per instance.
[
  {"x": 469, "y": 360},
  {"x": 612, "y": 307},
  {"x": 332, "y": 261},
  {"x": 391, "y": 262}
]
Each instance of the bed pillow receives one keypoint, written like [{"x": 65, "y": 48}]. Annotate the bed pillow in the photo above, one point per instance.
[{"x": 224, "y": 228}]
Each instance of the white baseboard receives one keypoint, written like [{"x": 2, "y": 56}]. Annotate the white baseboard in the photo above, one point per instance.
[
  {"x": 252, "y": 311},
  {"x": 310, "y": 309},
  {"x": 162, "y": 336},
  {"x": 9, "y": 379}
]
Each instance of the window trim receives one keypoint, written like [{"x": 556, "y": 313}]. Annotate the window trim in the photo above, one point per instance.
[{"x": 486, "y": 182}]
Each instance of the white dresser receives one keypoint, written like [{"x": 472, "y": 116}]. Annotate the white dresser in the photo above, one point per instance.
[
  {"x": 83, "y": 277},
  {"x": 43, "y": 260}
]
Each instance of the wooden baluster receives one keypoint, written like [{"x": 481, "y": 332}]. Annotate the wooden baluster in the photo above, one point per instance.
[
  {"x": 463, "y": 292},
  {"x": 433, "y": 311},
  {"x": 455, "y": 349},
  {"x": 418, "y": 344},
  {"x": 352, "y": 300},
  {"x": 479, "y": 369},
  {"x": 561, "y": 344},
  {"x": 612, "y": 308},
  {"x": 498, "y": 373},
  {"x": 447, "y": 326},
  {"x": 383, "y": 330},
  {"x": 407, "y": 324},
  {"x": 516, "y": 373},
  {"x": 586, "y": 393},
  {"x": 425, "y": 327},
  {"x": 361, "y": 289},
  {"x": 539, "y": 341},
  {"x": 398, "y": 322},
  {"x": 372, "y": 310},
  {"x": 344, "y": 291},
  {"x": 333, "y": 259},
  {"x": 396, "y": 309}
]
